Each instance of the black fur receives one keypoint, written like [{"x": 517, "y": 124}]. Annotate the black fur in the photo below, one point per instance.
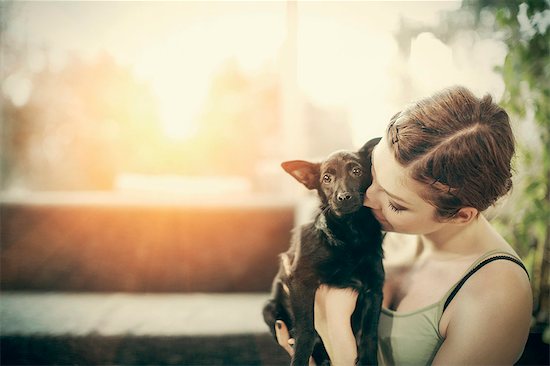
[{"x": 341, "y": 248}]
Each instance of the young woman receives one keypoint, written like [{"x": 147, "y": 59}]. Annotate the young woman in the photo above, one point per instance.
[{"x": 457, "y": 292}]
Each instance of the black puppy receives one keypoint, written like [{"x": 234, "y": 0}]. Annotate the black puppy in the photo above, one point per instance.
[{"x": 341, "y": 248}]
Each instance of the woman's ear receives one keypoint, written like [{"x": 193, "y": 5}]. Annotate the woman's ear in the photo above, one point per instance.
[{"x": 465, "y": 215}]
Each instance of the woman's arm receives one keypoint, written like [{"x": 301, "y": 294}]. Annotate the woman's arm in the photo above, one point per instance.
[
  {"x": 333, "y": 310},
  {"x": 489, "y": 318}
]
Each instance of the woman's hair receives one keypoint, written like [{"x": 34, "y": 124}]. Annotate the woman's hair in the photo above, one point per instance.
[{"x": 459, "y": 145}]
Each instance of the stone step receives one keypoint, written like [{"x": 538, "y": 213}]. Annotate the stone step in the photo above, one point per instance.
[
  {"x": 154, "y": 329},
  {"x": 120, "y": 328},
  {"x": 244, "y": 349}
]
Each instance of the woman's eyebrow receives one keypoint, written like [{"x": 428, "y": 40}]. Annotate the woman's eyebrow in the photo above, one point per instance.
[
  {"x": 388, "y": 193},
  {"x": 395, "y": 197}
]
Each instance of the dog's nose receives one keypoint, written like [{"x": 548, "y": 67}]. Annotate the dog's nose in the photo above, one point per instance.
[{"x": 344, "y": 196}]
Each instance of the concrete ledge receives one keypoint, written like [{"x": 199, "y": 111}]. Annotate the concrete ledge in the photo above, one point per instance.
[
  {"x": 143, "y": 199},
  {"x": 73, "y": 314},
  {"x": 141, "y": 247}
]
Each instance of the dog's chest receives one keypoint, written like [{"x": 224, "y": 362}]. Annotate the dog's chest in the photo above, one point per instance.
[
  {"x": 345, "y": 267},
  {"x": 348, "y": 264}
]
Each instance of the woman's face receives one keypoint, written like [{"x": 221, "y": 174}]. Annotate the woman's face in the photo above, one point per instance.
[{"x": 394, "y": 196}]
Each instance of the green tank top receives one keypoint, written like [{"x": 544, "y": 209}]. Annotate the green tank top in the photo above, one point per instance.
[{"x": 413, "y": 338}]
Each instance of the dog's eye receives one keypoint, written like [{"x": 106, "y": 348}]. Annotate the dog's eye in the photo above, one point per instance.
[
  {"x": 326, "y": 178},
  {"x": 357, "y": 171}
]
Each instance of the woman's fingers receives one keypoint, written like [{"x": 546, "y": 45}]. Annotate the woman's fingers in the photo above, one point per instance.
[{"x": 283, "y": 337}]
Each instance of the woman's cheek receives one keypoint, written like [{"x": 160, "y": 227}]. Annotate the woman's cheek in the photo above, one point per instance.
[{"x": 400, "y": 222}]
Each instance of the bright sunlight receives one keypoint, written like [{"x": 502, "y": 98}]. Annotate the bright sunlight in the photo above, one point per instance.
[{"x": 224, "y": 89}]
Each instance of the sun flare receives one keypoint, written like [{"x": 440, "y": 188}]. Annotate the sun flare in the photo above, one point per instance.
[{"x": 181, "y": 67}]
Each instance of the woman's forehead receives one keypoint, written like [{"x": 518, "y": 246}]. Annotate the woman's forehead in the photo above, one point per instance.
[{"x": 392, "y": 176}]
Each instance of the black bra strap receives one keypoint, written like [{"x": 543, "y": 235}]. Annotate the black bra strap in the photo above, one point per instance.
[{"x": 475, "y": 269}]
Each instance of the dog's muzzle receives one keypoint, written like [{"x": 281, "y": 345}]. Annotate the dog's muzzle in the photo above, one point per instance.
[{"x": 346, "y": 206}]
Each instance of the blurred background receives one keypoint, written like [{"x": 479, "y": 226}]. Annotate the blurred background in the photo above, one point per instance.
[{"x": 141, "y": 145}]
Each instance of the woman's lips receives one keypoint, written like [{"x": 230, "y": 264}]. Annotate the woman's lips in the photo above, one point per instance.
[
  {"x": 386, "y": 226},
  {"x": 379, "y": 217}
]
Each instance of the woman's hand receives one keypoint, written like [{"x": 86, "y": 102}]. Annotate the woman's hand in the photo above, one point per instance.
[
  {"x": 284, "y": 340},
  {"x": 332, "y": 312},
  {"x": 283, "y": 337}
]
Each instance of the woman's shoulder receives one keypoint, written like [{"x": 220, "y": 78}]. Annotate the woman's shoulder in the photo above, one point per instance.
[
  {"x": 490, "y": 316},
  {"x": 499, "y": 280},
  {"x": 498, "y": 275},
  {"x": 494, "y": 304},
  {"x": 499, "y": 292}
]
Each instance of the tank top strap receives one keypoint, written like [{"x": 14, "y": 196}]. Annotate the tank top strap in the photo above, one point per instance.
[{"x": 486, "y": 258}]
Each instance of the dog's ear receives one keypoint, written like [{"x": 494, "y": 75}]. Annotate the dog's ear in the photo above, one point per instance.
[
  {"x": 365, "y": 154},
  {"x": 304, "y": 172},
  {"x": 366, "y": 150}
]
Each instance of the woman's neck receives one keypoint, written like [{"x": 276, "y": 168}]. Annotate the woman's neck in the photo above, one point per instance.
[{"x": 455, "y": 240}]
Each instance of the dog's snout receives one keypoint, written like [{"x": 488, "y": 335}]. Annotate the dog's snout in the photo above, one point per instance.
[{"x": 343, "y": 196}]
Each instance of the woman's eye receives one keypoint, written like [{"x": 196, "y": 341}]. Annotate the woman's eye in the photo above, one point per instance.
[
  {"x": 357, "y": 172},
  {"x": 394, "y": 208},
  {"x": 326, "y": 178}
]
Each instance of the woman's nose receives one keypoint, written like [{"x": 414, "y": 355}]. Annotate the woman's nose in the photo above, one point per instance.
[{"x": 369, "y": 200}]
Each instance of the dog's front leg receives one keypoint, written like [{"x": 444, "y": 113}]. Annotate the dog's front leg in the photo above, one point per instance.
[
  {"x": 368, "y": 343},
  {"x": 302, "y": 300}
]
